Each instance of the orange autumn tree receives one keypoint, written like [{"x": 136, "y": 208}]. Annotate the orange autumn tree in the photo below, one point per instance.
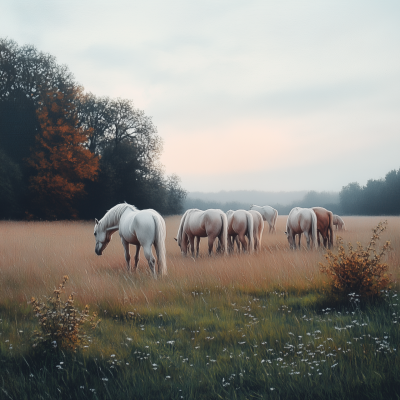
[{"x": 59, "y": 157}]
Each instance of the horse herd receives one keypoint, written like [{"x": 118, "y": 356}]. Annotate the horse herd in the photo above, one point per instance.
[{"x": 145, "y": 228}]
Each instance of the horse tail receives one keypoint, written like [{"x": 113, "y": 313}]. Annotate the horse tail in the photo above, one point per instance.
[
  {"x": 330, "y": 229},
  {"x": 224, "y": 233},
  {"x": 159, "y": 243},
  {"x": 274, "y": 220},
  {"x": 314, "y": 229},
  {"x": 250, "y": 231}
]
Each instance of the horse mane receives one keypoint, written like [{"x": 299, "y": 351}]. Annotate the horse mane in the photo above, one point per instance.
[{"x": 114, "y": 214}]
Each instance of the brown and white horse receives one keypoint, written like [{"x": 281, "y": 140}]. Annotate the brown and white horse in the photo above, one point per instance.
[{"x": 325, "y": 225}]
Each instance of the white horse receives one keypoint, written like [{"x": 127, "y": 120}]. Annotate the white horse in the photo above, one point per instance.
[
  {"x": 240, "y": 225},
  {"x": 141, "y": 228},
  {"x": 338, "y": 221},
  {"x": 269, "y": 214},
  {"x": 258, "y": 228},
  {"x": 196, "y": 223},
  {"x": 301, "y": 220}
]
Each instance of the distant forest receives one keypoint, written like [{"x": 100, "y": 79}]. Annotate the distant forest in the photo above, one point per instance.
[
  {"x": 377, "y": 197},
  {"x": 66, "y": 154}
]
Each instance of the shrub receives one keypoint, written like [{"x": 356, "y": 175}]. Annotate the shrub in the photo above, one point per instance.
[
  {"x": 60, "y": 323},
  {"x": 359, "y": 270}
]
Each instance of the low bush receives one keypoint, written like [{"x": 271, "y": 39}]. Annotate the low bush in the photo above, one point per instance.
[
  {"x": 359, "y": 270},
  {"x": 61, "y": 322}
]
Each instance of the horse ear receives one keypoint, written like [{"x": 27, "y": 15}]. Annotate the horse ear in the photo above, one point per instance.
[
  {"x": 176, "y": 239},
  {"x": 96, "y": 221}
]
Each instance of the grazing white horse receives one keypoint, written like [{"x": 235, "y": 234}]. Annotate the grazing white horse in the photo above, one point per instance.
[
  {"x": 338, "y": 221},
  {"x": 269, "y": 214},
  {"x": 301, "y": 220},
  {"x": 141, "y": 228},
  {"x": 196, "y": 223},
  {"x": 258, "y": 229},
  {"x": 240, "y": 225}
]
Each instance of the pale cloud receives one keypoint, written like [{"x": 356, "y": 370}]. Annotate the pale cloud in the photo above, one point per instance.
[{"x": 247, "y": 95}]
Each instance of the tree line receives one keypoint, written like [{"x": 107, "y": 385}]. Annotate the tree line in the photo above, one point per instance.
[
  {"x": 67, "y": 154},
  {"x": 377, "y": 197}
]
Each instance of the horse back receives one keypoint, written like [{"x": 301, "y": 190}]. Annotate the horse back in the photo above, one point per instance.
[
  {"x": 138, "y": 227},
  {"x": 212, "y": 222}
]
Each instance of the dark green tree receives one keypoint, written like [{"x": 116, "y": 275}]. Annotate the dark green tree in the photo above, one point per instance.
[
  {"x": 10, "y": 188},
  {"x": 123, "y": 138}
]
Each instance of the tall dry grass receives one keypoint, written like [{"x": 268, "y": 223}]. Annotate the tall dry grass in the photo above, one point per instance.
[{"x": 34, "y": 256}]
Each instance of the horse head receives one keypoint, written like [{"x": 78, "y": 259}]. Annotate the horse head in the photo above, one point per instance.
[
  {"x": 290, "y": 238},
  {"x": 102, "y": 236}
]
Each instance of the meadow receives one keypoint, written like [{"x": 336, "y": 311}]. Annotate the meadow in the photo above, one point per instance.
[{"x": 243, "y": 326}]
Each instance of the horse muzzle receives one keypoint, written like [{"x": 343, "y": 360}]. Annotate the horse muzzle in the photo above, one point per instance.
[{"x": 98, "y": 250}]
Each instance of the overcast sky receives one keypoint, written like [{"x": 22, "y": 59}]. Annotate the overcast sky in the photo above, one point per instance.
[{"x": 265, "y": 95}]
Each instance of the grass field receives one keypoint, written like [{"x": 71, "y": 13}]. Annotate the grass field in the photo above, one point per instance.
[{"x": 243, "y": 326}]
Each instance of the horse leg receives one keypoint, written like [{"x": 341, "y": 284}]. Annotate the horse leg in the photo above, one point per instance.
[
  {"x": 220, "y": 247},
  {"x": 184, "y": 245},
  {"x": 229, "y": 242},
  {"x": 330, "y": 238},
  {"x": 325, "y": 239},
  {"x": 234, "y": 239},
  {"x": 299, "y": 240},
  {"x": 210, "y": 245},
  {"x": 191, "y": 241},
  {"x": 306, "y": 234},
  {"x": 137, "y": 256},
  {"x": 242, "y": 239},
  {"x": 318, "y": 238},
  {"x": 197, "y": 245},
  {"x": 219, "y": 250},
  {"x": 127, "y": 255}
]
